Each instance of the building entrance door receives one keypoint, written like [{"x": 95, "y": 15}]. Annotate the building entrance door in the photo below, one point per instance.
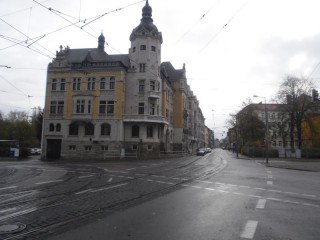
[{"x": 53, "y": 148}]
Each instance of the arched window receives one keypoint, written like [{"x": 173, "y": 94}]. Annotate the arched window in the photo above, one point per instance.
[
  {"x": 89, "y": 129},
  {"x": 73, "y": 129},
  {"x": 105, "y": 129},
  {"x": 51, "y": 127},
  {"x": 58, "y": 127},
  {"x": 135, "y": 131}
]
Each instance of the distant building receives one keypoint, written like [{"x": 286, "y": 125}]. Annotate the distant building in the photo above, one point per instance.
[{"x": 98, "y": 103}]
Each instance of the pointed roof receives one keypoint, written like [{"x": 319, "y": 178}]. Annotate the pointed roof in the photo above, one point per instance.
[{"x": 146, "y": 26}]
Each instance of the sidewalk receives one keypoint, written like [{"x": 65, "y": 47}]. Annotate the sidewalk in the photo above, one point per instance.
[{"x": 312, "y": 165}]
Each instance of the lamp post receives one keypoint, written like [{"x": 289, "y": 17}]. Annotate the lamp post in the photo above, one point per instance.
[{"x": 267, "y": 128}]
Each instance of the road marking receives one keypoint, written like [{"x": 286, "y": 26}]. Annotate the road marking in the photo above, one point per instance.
[
  {"x": 8, "y": 187},
  {"x": 107, "y": 188},
  {"x": 84, "y": 191},
  {"x": 54, "y": 181},
  {"x": 129, "y": 169},
  {"x": 269, "y": 182},
  {"x": 309, "y": 195},
  {"x": 270, "y": 176},
  {"x": 263, "y": 189},
  {"x": 261, "y": 203},
  {"x": 110, "y": 179},
  {"x": 255, "y": 196},
  {"x": 8, "y": 210},
  {"x": 86, "y": 176},
  {"x": 249, "y": 229},
  {"x": 210, "y": 189}
]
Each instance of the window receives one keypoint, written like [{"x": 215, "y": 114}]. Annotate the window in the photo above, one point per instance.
[
  {"x": 141, "y": 86},
  {"x": 80, "y": 106},
  {"x": 149, "y": 131},
  {"x": 51, "y": 127},
  {"x": 142, "y": 67},
  {"x": 89, "y": 106},
  {"x": 91, "y": 83},
  {"x": 152, "y": 109},
  {"x": 152, "y": 86},
  {"x": 102, "y": 107},
  {"x": 141, "y": 108},
  {"x": 112, "y": 83},
  {"x": 134, "y": 147},
  {"x": 88, "y": 147},
  {"x": 102, "y": 84},
  {"x": 54, "y": 85},
  {"x": 133, "y": 49},
  {"x": 153, "y": 48},
  {"x": 89, "y": 129},
  {"x": 104, "y": 148},
  {"x": 135, "y": 131},
  {"x": 143, "y": 47},
  {"x": 53, "y": 107},
  {"x": 63, "y": 85},
  {"x": 105, "y": 129},
  {"x": 72, "y": 147},
  {"x": 110, "y": 107},
  {"x": 73, "y": 129},
  {"x": 60, "y": 107},
  {"x": 150, "y": 147},
  {"x": 58, "y": 127},
  {"x": 76, "y": 84}
]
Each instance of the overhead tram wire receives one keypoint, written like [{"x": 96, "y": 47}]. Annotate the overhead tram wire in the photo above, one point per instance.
[
  {"x": 225, "y": 25},
  {"x": 116, "y": 10},
  {"x": 20, "y": 43},
  {"x": 15, "y": 86},
  {"x": 201, "y": 18},
  {"x": 55, "y": 12}
]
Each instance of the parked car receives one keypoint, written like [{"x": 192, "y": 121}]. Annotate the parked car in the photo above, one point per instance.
[
  {"x": 201, "y": 152},
  {"x": 35, "y": 151}
]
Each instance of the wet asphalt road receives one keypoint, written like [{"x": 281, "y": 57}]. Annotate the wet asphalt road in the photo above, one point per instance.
[{"x": 210, "y": 197}]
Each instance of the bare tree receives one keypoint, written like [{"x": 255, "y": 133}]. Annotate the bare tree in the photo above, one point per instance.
[{"x": 296, "y": 93}]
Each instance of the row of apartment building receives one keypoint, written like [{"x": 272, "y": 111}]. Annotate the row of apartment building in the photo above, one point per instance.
[
  {"x": 98, "y": 103},
  {"x": 277, "y": 119}
]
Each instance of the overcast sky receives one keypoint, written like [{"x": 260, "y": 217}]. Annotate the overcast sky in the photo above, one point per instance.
[{"x": 233, "y": 49}]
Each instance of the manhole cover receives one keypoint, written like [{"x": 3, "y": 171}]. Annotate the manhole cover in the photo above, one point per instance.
[{"x": 12, "y": 228}]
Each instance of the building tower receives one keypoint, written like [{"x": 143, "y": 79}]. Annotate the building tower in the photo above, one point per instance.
[{"x": 143, "y": 119}]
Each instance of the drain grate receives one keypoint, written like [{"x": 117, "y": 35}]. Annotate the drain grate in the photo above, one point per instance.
[{"x": 12, "y": 228}]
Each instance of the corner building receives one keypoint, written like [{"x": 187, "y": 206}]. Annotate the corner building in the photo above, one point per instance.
[{"x": 98, "y": 103}]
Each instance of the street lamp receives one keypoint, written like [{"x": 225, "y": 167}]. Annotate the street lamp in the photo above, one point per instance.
[{"x": 267, "y": 128}]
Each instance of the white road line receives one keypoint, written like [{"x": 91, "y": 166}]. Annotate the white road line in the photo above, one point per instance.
[
  {"x": 249, "y": 229},
  {"x": 110, "y": 179},
  {"x": 263, "y": 189},
  {"x": 309, "y": 195},
  {"x": 270, "y": 176},
  {"x": 261, "y": 203},
  {"x": 210, "y": 189},
  {"x": 254, "y": 196},
  {"x": 107, "y": 188},
  {"x": 84, "y": 191},
  {"x": 8, "y": 187},
  {"x": 269, "y": 182},
  {"x": 54, "y": 181},
  {"x": 141, "y": 174},
  {"x": 129, "y": 169},
  {"x": 8, "y": 210},
  {"x": 86, "y": 176}
]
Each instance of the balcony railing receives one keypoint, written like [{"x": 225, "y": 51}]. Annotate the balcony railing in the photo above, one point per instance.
[
  {"x": 144, "y": 118},
  {"x": 153, "y": 94}
]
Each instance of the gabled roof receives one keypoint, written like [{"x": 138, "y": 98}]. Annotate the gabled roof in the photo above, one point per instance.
[{"x": 173, "y": 74}]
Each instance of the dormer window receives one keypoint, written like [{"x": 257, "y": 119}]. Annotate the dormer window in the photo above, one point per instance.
[{"x": 143, "y": 47}]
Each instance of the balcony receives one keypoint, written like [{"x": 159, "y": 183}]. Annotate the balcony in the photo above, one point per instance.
[
  {"x": 153, "y": 94},
  {"x": 144, "y": 118}
]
